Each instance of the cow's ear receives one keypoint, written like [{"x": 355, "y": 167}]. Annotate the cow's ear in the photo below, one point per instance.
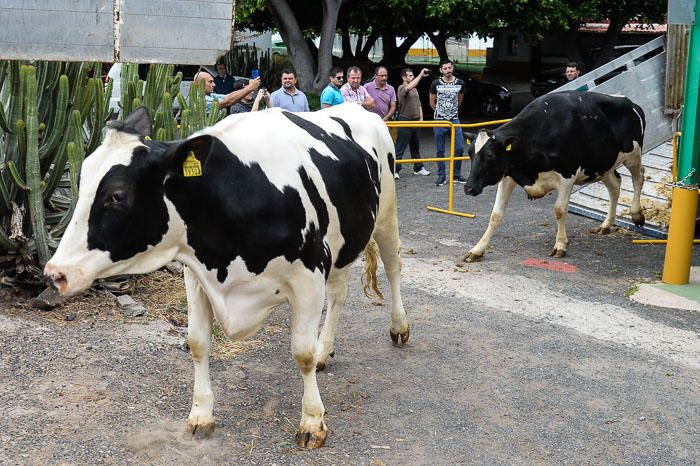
[
  {"x": 140, "y": 120},
  {"x": 187, "y": 157},
  {"x": 511, "y": 143},
  {"x": 469, "y": 137}
]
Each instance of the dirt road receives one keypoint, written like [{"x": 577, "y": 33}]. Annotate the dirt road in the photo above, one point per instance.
[{"x": 507, "y": 364}]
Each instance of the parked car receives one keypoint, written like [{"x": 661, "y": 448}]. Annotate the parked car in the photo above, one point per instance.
[
  {"x": 481, "y": 97},
  {"x": 547, "y": 81},
  {"x": 278, "y": 48}
]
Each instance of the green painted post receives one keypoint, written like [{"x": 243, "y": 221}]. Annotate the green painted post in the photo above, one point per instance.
[
  {"x": 689, "y": 153},
  {"x": 685, "y": 196}
]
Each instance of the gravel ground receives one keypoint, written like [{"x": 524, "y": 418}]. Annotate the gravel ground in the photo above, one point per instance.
[{"x": 507, "y": 364}]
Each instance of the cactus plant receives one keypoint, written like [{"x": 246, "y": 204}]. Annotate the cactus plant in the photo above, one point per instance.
[{"x": 51, "y": 114}]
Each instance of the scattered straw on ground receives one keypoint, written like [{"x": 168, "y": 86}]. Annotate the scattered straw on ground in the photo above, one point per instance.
[{"x": 162, "y": 293}]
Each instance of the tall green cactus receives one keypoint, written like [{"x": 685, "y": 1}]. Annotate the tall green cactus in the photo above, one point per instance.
[{"x": 51, "y": 113}]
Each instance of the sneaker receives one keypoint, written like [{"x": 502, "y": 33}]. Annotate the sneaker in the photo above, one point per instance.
[
  {"x": 459, "y": 179},
  {"x": 422, "y": 172},
  {"x": 440, "y": 181},
  {"x": 396, "y": 176}
]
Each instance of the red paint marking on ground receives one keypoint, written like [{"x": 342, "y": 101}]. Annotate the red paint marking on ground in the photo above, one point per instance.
[{"x": 550, "y": 265}]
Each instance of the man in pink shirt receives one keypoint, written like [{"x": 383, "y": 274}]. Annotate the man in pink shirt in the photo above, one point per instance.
[
  {"x": 353, "y": 91},
  {"x": 383, "y": 94}
]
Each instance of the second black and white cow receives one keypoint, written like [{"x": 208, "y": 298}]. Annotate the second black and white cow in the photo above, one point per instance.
[
  {"x": 558, "y": 141},
  {"x": 263, "y": 208}
]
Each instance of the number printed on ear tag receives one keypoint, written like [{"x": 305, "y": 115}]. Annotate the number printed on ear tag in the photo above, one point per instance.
[{"x": 191, "y": 166}]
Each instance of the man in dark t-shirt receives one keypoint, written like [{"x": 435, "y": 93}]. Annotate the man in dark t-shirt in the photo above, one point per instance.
[{"x": 446, "y": 94}]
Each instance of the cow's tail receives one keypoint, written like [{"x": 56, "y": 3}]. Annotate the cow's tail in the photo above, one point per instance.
[{"x": 370, "y": 281}]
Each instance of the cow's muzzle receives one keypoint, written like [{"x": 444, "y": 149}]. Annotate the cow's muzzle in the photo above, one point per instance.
[
  {"x": 58, "y": 278},
  {"x": 472, "y": 190}
]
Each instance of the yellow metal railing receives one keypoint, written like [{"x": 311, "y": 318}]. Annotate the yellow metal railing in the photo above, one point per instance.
[{"x": 451, "y": 159}]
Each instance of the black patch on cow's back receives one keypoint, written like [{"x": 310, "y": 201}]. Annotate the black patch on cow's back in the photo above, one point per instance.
[
  {"x": 233, "y": 210},
  {"x": 344, "y": 124},
  {"x": 352, "y": 182},
  {"x": 139, "y": 220},
  {"x": 567, "y": 130}
]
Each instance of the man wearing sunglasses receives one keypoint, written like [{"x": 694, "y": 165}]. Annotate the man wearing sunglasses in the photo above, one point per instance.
[{"x": 331, "y": 95}]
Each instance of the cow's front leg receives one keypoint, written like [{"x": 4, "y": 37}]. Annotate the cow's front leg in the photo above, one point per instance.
[
  {"x": 561, "y": 207},
  {"x": 307, "y": 306},
  {"x": 337, "y": 292},
  {"x": 505, "y": 189},
  {"x": 199, "y": 326},
  {"x": 612, "y": 181}
]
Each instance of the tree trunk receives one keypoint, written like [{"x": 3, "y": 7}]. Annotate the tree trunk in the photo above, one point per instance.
[
  {"x": 610, "y": 38},
  {"x": 439, "y": 41},
  {"x": 407, "y": 43},
  {"x": 347, "y": 45},
  {"x": 312, "y": 73},
  {"x": 367, "y": 47}
]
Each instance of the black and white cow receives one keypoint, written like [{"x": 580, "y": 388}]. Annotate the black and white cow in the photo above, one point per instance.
[
  {"x": 275, "y": 208},
  {"x": 560, "y": 140}
]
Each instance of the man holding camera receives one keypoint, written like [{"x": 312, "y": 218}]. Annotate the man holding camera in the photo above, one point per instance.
[
  {"x": 410, "y": 109},
  {"x": 249, "y": 103}
]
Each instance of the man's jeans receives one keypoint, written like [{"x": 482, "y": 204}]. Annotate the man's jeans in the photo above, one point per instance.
[
  {"x": 442, "y": 134},
  {"x": 408, "y": 137}
]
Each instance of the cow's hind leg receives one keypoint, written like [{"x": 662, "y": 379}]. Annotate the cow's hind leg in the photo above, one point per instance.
[
  {"x": 337, "y": 293},
  {"x": 505, "y": 189},
  {"x": 199, "y": 326},
  {"x": 633, "y": 162},
  {"x": 561, "y": 207},
  {"x": 612, "y": 181},
  {"x": 386, "y": 235},
  {"x": 307, "y": 306}
]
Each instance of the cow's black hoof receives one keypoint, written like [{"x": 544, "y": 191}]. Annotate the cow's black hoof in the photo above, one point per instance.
[
  {"x": 471, "y": 257},
  {"x": 601, "y": 231},
  {"x": 404, "y": 336},
  {"x": 557, "y": 253},
  {"x": 638, "y": 220},
  {"x": 311, "y": 440}
]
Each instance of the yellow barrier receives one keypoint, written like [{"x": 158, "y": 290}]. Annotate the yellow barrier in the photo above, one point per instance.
[{"x": 450, "y": 159}]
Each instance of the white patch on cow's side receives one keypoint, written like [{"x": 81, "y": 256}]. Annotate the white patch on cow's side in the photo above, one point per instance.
[
  {"x": 545, "y": 182},
  {"x": 641, "y": 120}
]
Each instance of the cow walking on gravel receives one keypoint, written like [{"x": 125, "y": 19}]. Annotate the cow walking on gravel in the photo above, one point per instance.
[
  {"x": 558, "y": 141},
  {"x": 263, "y": 209}
]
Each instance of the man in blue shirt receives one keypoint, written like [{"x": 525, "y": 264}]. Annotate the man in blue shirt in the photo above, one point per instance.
[
  {"x": 225, "y": 100},
  {"x": 331, "y": 95},
  {"x": 288, "y": 96}
]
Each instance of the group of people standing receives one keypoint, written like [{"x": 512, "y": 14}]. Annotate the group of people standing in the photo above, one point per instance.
[
  {"x": 240, "y": 96},
  {"x": 446, "y": 95},
  {"x": 377, "y": 95}
]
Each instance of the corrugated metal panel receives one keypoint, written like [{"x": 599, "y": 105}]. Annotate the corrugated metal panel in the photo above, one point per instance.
[
  {"x": 187, "y": 32},
  {"x": 141, "y": 31},
  {"x": 677, "y": 52},
  {"x": 56, "y": 29}
]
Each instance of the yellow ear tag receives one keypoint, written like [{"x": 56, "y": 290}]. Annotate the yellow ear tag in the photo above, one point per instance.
[
  {"x": 191, "y": 166},
  {"x": 146, "y": 138},
  {"x": 508, "y": 147}
]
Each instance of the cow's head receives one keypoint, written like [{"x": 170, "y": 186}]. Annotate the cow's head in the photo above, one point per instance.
[
  {"x": 122, "y": 222},
  {"x": 489, "y": 154}
]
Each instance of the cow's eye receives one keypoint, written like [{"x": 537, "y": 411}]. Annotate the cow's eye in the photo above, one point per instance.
[{"x": 118, "y": 197}]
